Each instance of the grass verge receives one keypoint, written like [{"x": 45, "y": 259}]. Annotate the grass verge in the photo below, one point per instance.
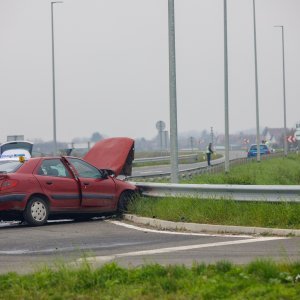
[
  {"x": 220, "y": 212},
  {"x": 275, "y": 171},
  {"x": 261, "y": 279}
]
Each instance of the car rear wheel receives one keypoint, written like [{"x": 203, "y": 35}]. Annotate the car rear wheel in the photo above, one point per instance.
[{"x": 36, "y": 211}]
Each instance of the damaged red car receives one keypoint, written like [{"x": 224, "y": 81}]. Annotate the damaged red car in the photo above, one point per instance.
[{"x": 53, "y": 187}]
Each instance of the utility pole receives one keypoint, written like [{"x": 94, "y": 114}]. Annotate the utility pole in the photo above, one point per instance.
[
  {"x": 256, "y": 86},
  {"x": 226, "y": 90},
  {"x": 173, "y": 97},
  {"x": 53, "y": 79},
  {"x": 284, "y": 96}
]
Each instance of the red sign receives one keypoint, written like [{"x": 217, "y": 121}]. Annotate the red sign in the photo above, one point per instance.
[{"x": 291, "y": 139}]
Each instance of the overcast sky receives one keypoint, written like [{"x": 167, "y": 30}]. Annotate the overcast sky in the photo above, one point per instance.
[{"x": 111, "y": 59}]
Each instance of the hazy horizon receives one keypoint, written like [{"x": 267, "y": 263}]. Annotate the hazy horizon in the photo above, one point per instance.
[{"x": 111, "y": 66}]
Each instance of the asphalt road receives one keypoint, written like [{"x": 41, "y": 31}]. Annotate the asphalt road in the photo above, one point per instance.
[
  {"x": 160, "y": 169},
  {"x": 24, "y": 249}
]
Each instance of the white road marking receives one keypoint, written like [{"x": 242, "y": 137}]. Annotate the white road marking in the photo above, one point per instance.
[
  {"x": 176, "y": 232},
  {"x": 178, "y": 248},
  {"x": 66, "y": 249}
]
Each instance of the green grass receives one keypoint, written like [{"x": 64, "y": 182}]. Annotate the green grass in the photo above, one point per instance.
[
  {"x": 276, "y": 171},
  {"x": 219, "y": 212},
  {"x": 261, "y": 279}
]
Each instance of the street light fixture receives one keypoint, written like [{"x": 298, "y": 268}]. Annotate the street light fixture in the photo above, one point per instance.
[
  {"x": 284, "y": 97},
  {"x": 53, "y": 79},
  {"x": 256, "y": 87}
]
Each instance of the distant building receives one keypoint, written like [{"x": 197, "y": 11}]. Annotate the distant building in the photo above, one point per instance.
[{"x": 275, "y": 136}]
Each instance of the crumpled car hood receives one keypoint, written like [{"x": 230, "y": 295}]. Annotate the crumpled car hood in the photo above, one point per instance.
[{"x": 115, "y": 154}]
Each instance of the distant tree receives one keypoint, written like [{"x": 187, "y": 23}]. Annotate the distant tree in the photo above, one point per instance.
[
  {"x": 80, "y": 140},
  {"x": 204, "y": 134},
  {"x": 96, "y": 136},
  {"x": 141, "y": 144}
]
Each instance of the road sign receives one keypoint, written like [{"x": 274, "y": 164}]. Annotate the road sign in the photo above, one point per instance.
[
  {"x": 297, "y": 134},
  {"x": 11, "y": 138},
  {"x": 160, "y": 125},
  {"x": 291, "y": 139}
]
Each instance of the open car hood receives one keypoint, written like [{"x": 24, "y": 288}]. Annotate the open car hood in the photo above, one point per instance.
[{"x": 115, "y": 154}]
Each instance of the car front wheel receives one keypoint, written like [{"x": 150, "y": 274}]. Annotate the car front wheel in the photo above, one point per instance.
[
  {"x": 36, "y": 211},
  {"x": 124, "y": 200}
]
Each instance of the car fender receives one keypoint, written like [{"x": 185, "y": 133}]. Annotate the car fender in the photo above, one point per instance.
[
  {"x": 32, "y": 187},
  {"x": 124, "y": 186}
]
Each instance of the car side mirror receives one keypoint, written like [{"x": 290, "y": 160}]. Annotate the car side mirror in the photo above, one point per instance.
[
  {"x": 104, "y": 174},
  {"x": 107, "y": 173}
]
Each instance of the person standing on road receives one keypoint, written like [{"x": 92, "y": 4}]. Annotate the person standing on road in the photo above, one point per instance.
[{"x": 209, "y": 152}]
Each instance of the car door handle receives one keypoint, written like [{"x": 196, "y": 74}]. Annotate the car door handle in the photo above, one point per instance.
[
  {"x": 85, "y": 183},
  {"x": 49, "y": 182}
]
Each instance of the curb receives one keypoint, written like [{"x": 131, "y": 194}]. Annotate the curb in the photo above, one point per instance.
[{"x": 197, "y": 228}]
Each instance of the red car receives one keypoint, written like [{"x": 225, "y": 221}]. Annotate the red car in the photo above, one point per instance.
[{"x": 45, "y": 187}]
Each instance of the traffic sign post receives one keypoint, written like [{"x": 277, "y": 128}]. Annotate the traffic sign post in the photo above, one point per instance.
[
  {"x": 297, "y": 132},
  {"x": 160, "y": 126}
]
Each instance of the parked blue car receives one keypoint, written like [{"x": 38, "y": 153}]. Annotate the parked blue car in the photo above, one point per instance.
[{"x": 264, "y": 149}]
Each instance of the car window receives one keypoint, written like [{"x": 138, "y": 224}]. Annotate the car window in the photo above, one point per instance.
[
  {"x": 261, "y": 147},
  {"x": 84, "y": 169},
  {"x": 53, "y": 167},
  {"x": 10, "y": 166}
]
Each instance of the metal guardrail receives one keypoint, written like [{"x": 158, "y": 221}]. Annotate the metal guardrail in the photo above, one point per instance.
[
  {"x": 193, "y": 156},
  {"x": 271, "y": 193}
]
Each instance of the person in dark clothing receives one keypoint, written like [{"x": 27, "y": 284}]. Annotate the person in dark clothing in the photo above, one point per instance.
[{"x": 209, "y": 152}]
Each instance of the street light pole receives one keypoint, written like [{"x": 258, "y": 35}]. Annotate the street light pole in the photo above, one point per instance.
[
  {"x": 173, "y": 100},
  {"x": 284, "y": 96},
  {"x": 226, "y": 90},
  {"x": 256, "y": 86},
  {"x": 53, "y": 79}
]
